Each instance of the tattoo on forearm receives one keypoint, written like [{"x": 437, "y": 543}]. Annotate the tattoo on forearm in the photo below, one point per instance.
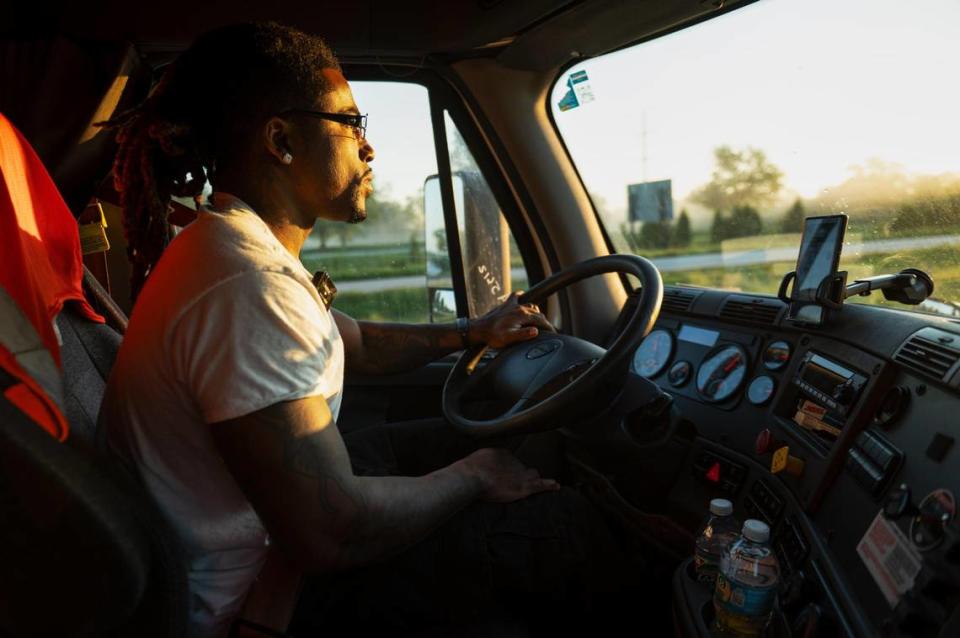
[
  {"x": 306, "y": 456},
  {"x": 301, "y": 456},
  {"x": 391, "y": 348}
]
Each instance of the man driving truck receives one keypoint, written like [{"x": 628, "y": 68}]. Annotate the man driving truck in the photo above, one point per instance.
[{"x": 225, "y": 395}]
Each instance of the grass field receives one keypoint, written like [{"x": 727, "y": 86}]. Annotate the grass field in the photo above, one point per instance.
[
  {"x": 407, "y": 305},
  {"x": 373, "y": 262},
  {"x": 347, "y": 267}
]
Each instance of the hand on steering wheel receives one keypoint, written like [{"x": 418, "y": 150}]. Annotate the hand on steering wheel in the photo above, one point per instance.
[{"x": 509, "y": 323}]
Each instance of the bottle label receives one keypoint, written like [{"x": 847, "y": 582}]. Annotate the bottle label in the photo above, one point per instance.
[
  {"x": 705, "y": 569},
  {"x": 743, "y": 600}
]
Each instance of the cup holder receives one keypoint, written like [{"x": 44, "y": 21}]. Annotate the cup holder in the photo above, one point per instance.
[{"x": 691, "y": 574}]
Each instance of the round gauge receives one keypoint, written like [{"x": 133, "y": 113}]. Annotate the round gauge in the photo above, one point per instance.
[
  {"x": 928, "y": 527},
  {"x": 761, "y": 389},
  {"x": 776, "y": 355},
  {"x": 653, "y": 354},
  {"x": 722, "y": 372},
  {"x": 679, "y": 373}
]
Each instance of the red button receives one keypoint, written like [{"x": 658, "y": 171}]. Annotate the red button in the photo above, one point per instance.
[
  {"x": 764, "y": 442},
  {"x": 713, "y": 474}
]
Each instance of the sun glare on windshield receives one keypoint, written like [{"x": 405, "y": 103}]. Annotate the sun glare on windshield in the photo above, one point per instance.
[{"x": 707, "y": 147}]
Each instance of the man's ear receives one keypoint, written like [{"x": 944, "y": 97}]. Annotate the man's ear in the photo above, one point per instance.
[{"x": 276, "y": 139}]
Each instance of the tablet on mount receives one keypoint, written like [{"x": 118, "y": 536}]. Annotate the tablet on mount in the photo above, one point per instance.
[{"x": 818, "y": 286}]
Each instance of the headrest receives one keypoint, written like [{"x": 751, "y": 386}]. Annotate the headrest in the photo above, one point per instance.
[{"x": 40, "y": 261}]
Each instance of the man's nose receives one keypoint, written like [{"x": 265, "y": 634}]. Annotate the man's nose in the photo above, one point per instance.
[{"x": 366, "y": 151}]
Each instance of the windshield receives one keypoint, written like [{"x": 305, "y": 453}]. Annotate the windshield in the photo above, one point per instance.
[{"x": 706, "y": 148}]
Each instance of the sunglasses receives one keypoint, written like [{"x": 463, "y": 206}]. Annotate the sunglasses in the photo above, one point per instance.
[{"x": 355, "y": 120}]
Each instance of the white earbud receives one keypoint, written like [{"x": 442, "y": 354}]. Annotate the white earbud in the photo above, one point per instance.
[{"x": 287, "y": 158}]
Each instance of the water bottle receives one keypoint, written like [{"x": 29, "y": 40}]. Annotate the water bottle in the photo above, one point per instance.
[
  {"x": 720, "y": 531},
  {"x": 746, "y": 584}
]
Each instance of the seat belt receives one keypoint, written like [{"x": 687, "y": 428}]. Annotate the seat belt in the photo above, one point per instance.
[{"x": 114, "y": 314}]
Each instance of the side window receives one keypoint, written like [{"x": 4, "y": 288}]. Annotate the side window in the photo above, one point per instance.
[
  {"x": 379, "y": 265},
  {"x": 492, "y": 265},
  {"x": 396, "y": 265}
]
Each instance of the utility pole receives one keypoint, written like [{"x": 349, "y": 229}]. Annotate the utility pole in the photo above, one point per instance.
[{"x": 643, "y": 146}]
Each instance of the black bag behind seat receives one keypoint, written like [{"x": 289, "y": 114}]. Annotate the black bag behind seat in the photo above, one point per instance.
[{"x": 83, "y": 549}]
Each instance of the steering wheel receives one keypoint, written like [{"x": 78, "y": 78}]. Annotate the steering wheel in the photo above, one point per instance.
[{"x": 554, "y": 374}]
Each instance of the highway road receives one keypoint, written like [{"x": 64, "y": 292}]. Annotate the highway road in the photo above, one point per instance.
[{"x": 680, "y": 263}]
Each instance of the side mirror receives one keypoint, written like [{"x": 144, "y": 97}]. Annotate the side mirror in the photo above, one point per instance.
[{"x": 443, "y": 305}]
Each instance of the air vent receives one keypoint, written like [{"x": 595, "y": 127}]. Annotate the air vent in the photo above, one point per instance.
[
  {"x": 741, "y": 309},
  {"x": 931, "y": 352},
  {"x": 678, "y": 300}
]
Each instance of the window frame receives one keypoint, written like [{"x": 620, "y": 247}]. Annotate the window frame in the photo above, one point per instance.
[{"x": 443, "y": 96}]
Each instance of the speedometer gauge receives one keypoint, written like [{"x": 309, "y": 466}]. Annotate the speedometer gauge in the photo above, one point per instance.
[
  {"x": 761, "y": 389},
  {"x": 722, "y": 373},
  {"x": 653, "y": 355}
]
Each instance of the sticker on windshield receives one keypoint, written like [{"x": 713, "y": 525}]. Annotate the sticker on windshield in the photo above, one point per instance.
[
  {"x": 889, "y": 558},
  {"x": 579, "y": 91}
]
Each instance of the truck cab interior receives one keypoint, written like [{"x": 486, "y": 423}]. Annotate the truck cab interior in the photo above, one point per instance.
[{"x": 543, "y": 146}]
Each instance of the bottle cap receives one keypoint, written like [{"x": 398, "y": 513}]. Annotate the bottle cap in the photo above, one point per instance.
[
  {"x": 756, "y": 531},
  {"x": 721, "y": 507}
]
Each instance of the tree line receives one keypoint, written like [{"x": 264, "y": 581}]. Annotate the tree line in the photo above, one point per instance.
[
  {"x": 402, "y": 221},
  {"x": 662, "y": 234},
  {"x": 742, "y": 182}
]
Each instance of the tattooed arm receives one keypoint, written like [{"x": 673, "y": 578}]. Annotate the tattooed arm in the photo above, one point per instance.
[
  {"x": 389, "y": 348},
  {"x": 291, "y": 463}
]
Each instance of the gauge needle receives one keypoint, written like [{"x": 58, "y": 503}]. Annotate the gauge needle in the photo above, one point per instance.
[{"x": 731, "y": 363}]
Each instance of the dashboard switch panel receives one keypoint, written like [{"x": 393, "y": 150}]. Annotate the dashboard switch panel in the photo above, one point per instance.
[
  {"x": 873, "y": 461},
  {"x": 715, "y": 470},
  {"x": 762, "y": 503},
  {"x": 791, "y": 546}
]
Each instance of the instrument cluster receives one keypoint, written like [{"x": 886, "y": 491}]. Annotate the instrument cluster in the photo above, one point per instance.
[{"x": 698, "y": 362}]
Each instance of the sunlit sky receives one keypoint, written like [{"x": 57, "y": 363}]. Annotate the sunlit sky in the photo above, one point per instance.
[
  {"x": 818, "y": 85},
  {"x": 398, "y": 127}
]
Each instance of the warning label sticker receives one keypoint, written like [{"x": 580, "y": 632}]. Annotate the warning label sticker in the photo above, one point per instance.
[
  {"x": 889, "y": 558},
  {"x": 578, "y": 91}
]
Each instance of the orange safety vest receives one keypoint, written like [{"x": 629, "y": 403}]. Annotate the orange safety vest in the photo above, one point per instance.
[{"x": 40, "y": 270}]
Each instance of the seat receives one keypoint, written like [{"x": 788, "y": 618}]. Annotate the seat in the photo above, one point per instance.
[
  {"x": 84, "y": 550},
  {"x": 87, "y": 354},
  {"x": 83, "y": 553}
]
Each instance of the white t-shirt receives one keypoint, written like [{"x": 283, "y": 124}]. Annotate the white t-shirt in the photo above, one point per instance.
[{"x": 228, "y": 323}]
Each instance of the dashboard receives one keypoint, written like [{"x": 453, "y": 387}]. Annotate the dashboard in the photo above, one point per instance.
[
  {"x": 721, "y": 367},
  {"x": 841, "y": 439}
]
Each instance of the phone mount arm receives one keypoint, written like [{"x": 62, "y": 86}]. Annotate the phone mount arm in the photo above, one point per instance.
[{"x": 910, "y": 286}]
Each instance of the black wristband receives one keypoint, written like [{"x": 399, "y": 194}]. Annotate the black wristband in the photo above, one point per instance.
[{"x": 463, "y": 327}]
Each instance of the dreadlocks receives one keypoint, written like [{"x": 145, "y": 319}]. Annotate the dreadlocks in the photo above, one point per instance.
[{"x": 200, "y": 116}]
